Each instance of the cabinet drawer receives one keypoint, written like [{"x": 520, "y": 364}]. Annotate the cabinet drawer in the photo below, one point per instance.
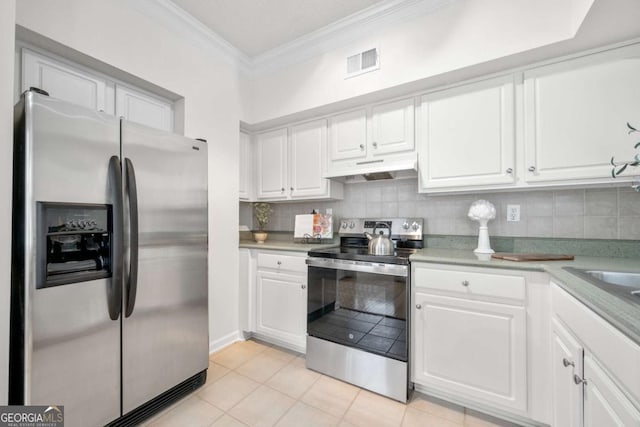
[
  {"x": 282, "y": 262},
  {"x": 470, "y": 283}
]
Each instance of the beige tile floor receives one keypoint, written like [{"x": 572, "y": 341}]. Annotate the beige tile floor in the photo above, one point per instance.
[{"x": 251, "y": 383}]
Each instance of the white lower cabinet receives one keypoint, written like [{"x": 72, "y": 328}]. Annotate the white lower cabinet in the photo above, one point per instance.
[
  {"x": 480, "y": 338},
  {"x": 474, "y": 348},
  {"x": 282, "y": 307},
  {"x": 566, "y": 362},
  {"x": 595, "y": 369},
  {"x": 604, "y": 403},
  {"x": 274, "y": 292}
]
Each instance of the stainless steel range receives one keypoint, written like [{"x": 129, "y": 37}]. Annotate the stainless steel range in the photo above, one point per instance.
[{"x": 357, "y": 311}]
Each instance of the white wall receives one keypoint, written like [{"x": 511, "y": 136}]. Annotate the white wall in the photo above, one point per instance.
[
  {"x": 456, "y": 36},
  {"x": 7, "y": 24},
  {"x": 122, "y": 34}
]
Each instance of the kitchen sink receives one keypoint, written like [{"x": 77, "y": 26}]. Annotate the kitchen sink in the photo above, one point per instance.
[{"x": 621, "y": 283}]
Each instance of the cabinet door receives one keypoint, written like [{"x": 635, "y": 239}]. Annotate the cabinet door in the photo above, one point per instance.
[
  {"x": 246, "y": 292},
  {"x": 67, "y": 83},
  {"x": 604, "y": 403},
  {"x": 244, "y": 166},
  {"x": 282, "y": 307},
  {"x": 272, "y": 164},
  {"x": 467, "y": 136},
  {"x": 392, "y": 127},
  {"x": 576, "y": 114},
  {"x": 471, "y": 348},
  {"x": 348, "y": 135},
  {"x": 144, "y": 109},
  {"x": 308, "y": 159},
  {"x": 566, "y": 362}
]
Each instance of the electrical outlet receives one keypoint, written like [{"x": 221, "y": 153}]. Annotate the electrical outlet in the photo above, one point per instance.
[{"x": 513, "y": 213}]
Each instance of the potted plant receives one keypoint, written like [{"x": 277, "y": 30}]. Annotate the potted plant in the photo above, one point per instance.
[
  {"x": 619, "y": 167},
  {"x": 262, "y": 212}
]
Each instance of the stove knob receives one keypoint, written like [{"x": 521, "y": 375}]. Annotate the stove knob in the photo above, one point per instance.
[
  {"x": 415, "y": 226},
  {"x": 352, "y": 224},
  {"x": 405, "y": 226},
  {"x": 343, "y": 225},
  {"x": 82, "y": 223}
]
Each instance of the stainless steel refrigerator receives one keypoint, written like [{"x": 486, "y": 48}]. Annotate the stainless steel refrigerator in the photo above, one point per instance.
[{"x": 109, "y": 264}]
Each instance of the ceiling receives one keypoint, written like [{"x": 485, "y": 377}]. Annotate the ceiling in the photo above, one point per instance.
[{"x": 257, "y": 26}]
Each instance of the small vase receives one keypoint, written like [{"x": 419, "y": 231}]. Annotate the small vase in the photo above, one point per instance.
[{"x": 260, "y": 236}]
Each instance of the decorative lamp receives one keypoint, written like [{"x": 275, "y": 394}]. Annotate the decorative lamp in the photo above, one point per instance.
[{"x": 483, "y": 212}]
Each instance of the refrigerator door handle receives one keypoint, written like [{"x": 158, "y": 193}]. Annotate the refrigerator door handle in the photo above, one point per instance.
[
  {"x": 132, "y": 279},
  {"x": 114, "y": 292}
]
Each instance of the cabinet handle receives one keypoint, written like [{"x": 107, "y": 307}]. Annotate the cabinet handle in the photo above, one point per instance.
[
  {"x": 361, "y": 147},
  {"x": 304, "y": 286},
  {"x": 282, "y": 189},
  {"x": 510, "y": 171},
  {"x": 532, "y": 168},
  {"x": 375, "y": 145},
  {"x": 418, "y": 306},
  {"x": 279, "y": 262},
  {"x": 291, "y": 188},
  {"x": 566, "y": 363},
  {"x": 578, "y": 380},
  {"x": 465, "y": 283}
]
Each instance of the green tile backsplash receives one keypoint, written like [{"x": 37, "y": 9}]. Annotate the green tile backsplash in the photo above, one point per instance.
[{"x": 603, "y": 213}]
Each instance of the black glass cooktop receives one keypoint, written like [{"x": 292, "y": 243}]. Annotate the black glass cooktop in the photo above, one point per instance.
[{"x": 401, "y": 255}]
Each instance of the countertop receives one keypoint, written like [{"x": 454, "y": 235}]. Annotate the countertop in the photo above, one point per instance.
[
  {"x": 623, "y": 315},
  {"x": 285, "y": 245}
]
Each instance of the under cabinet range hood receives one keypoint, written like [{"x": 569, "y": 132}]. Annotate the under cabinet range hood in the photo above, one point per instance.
[{"x": 373, "y": 170}]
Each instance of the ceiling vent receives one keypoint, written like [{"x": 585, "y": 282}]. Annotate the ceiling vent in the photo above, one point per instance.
[{"x": 363, "y": 62}]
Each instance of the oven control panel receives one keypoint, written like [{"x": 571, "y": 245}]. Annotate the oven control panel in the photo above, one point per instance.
[{"x": 407, "y": 228}]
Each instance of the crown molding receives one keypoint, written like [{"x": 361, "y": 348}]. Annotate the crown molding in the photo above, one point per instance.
[
  {"x": 345, "y": 30},
  {"x": 180, "y": 21},
  {"x": 332, "y": 36}
]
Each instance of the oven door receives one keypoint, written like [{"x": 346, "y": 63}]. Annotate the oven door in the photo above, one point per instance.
[{"x": 359, "y": 304}]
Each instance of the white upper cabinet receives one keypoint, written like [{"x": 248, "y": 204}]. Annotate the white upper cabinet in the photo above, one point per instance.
[
  {"x": 244, "y": 166},
  {"x": 576, "y": 113},
  {"x": 348, "y": 138},
  {"x": 67, "y": 83},
  {"x": 373, "y": 139},
  {"x": 308, "y": 160},
  {"x": 467, "y": 136},
  {"x": 272, "y": 164},
  {"x": 79, "y": 86},
  {"x": 392, "y": 127},
  {"x": 291, "y": 163},
  {"x": 144, "y": 109}
]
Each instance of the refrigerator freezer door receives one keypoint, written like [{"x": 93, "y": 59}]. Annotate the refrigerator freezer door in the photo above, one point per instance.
[
  {"x": 165, "y": 336},
  {"x": 71, "y": 345}
]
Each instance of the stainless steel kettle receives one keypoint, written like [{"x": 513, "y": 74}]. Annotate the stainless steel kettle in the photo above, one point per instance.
[{"x": 380, "y": 244}]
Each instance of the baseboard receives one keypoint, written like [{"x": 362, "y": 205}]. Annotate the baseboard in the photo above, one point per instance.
[
  {"x": 300, "y": 348},
  {"x": 225, "y": 341},
  {"x": 458, "y": 400}
]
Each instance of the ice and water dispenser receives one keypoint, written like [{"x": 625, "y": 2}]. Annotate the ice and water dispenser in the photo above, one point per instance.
[{"x": 74, "y": 243}]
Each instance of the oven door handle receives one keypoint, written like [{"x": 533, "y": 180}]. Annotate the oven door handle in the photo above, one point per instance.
[{"x": 364, "y": 267}]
